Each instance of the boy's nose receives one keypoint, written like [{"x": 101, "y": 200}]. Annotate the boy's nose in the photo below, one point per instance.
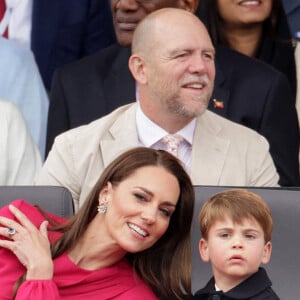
[{"x": 237, "y": 243}]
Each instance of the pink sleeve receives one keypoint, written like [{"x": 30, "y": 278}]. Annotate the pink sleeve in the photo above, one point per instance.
[
  {"x": 10, "y": 267},
  {"x": 34, "y": 215},
  {"x": 29, "y": 210},
  {"x": 38, "y": 290}
]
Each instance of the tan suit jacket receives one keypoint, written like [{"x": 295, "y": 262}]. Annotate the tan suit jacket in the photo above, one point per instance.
[{"x": 223, "y": 153}]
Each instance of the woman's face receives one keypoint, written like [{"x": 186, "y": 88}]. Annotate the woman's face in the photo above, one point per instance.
[
  {"x": 140, "y": 207},
  {"x": 244, "y": 12}
]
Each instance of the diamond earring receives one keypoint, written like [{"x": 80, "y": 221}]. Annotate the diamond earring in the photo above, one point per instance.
[{"x": 102, "y": 208}]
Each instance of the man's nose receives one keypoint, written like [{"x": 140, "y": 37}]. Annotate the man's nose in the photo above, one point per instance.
[
  {"x": 128, "y": 4},
  {"x": 197, "y": 64}
]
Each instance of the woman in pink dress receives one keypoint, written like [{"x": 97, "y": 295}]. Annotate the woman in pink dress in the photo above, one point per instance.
[{"x": 130, "y": 240}]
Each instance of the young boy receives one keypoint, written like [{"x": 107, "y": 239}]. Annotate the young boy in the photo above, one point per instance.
[{"x": 236, "y": 227}]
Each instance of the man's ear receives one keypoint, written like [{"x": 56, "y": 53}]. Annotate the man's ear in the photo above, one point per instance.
[
  {"x": 267, "y": 253},
  {"x": 136, "y": 66},
  {"x": 189, "y": 5},
  {"x": 203, "y": 250}
]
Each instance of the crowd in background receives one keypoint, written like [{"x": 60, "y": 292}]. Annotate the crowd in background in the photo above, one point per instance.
[
  {"x": 33, "y": 49},
  {"x": 52, "y": 68}
]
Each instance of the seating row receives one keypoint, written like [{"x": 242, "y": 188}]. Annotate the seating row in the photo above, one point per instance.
[{"x": 284, "y": 267}]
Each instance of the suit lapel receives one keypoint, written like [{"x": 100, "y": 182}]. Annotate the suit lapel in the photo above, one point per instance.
[
  {"x": 209, "y": 147},
  {"x": 120, "y": 139},
  {"x": 119, "y": 85},
  {"x": 219, "y": 102},
  {"x": 209, "y": 151}
]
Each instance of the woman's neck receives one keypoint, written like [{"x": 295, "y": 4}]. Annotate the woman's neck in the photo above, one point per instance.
[
  {"x": 244, "y": 40},
  {"x": 96, "y": 250}
]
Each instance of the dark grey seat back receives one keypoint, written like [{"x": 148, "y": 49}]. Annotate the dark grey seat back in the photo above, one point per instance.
[
  {"x": 54, "y": 199},
  {"x": 284, "y": 267}
]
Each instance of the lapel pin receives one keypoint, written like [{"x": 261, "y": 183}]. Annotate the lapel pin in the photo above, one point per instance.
[{"x": 218, "y": 104}]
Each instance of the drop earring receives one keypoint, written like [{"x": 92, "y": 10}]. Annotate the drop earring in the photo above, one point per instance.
[{"x": 102, "y": 208}]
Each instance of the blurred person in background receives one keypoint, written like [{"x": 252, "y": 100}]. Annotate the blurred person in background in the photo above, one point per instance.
[{"x": 20, "y": 160}]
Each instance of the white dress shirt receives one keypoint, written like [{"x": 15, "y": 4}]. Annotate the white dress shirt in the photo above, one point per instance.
[{"x": 150, "y": 135}]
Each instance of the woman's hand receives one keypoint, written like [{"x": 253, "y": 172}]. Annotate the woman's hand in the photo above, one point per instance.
[{"x": 30, "y": 244}]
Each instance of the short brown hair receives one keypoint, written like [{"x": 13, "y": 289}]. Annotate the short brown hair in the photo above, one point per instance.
[{"x": 238, "y": 204}]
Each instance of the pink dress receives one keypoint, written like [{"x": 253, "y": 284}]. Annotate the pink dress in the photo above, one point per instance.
[{"x": 69, "y": 281}]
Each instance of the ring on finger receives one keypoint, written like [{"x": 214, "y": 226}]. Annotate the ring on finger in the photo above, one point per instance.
[{"x": 11, "y": 231}]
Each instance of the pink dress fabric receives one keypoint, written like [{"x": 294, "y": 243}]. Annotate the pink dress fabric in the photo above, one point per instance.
[{"x": 69, "y": 282}]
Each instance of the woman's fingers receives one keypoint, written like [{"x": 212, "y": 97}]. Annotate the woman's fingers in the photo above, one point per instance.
[
  {"x": 23, "y": 226},
  {"x": 29, "y": 244},
  {"x": 21, "y": 217},
  {"x": 10, "y": 228},
  {"x": 16, "y": 227},
  {"x": 43, "y": 229}
]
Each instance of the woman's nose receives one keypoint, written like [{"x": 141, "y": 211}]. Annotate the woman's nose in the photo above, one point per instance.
[{"x": 149, "y": 215}]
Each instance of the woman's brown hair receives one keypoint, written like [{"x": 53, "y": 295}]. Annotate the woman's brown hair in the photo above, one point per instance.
[
  {"x": 209, "y": 13},
  {"x": 166, "y": 266}
]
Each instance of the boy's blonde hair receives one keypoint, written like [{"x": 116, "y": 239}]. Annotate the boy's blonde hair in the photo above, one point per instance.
[{"x": 238, "y": 204}]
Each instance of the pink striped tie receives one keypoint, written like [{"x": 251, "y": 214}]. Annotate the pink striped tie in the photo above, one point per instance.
[{"x": 172, "y": 143}]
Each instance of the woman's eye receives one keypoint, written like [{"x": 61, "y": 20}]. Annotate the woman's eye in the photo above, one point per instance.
[
  {"x": 140, "y": 197},
  {"x": 166, "y": 212}
]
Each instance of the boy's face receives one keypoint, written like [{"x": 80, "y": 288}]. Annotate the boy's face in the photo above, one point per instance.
[{"x": 234, "y": 250}]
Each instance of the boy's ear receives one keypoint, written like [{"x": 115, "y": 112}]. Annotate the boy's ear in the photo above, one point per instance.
[
  {"x": 203, "y": 250},
  {"x": 267, "y": 253}
]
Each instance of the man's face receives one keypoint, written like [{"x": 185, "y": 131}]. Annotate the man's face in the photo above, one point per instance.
[
  {"x": 180, "y": 70},
  {"x": 128, "y": 13}
]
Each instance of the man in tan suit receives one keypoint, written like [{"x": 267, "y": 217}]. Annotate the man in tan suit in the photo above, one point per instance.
[{"x": 172, "y": 62}]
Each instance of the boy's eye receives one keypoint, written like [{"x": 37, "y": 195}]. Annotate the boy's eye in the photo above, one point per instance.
[
  {"x": 224, "y": 235},
  {"x": 250, "y": 236}
]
